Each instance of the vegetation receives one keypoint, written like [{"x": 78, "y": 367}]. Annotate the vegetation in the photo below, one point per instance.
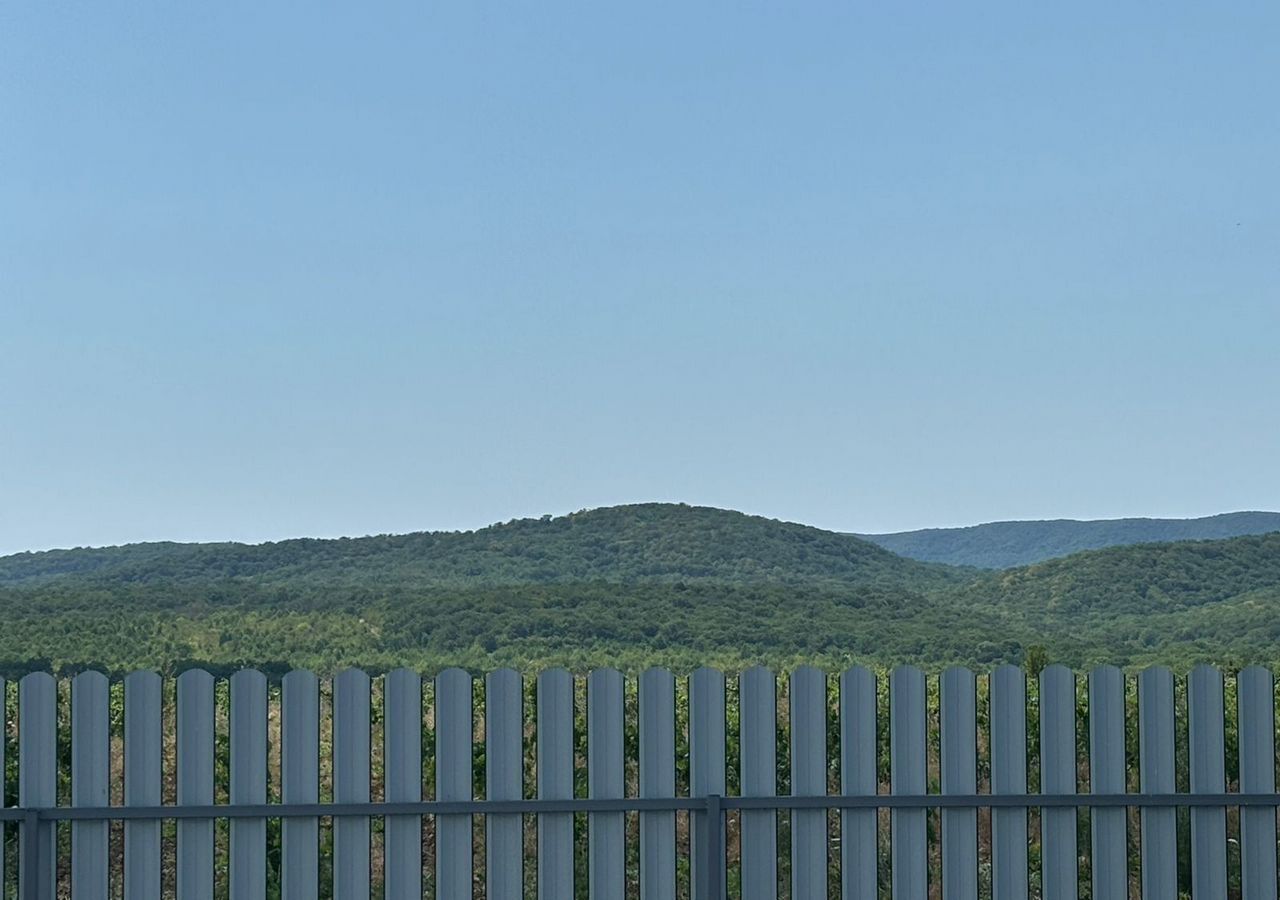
[
  {"x": 628, "y": 586},
  {"x": 1001, "y": 545}
]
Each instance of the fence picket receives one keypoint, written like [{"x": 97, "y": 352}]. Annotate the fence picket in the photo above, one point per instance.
[
  {"x": 706, "y": 777},
  {"x": 959, "y": 776},
  {"x": 37, "y": 778},
  {"x": 606, "y": 831},
  {"x": 858, "y": 777},
  {"x": 1257, "y": 728},
  {"x": 808, "y": 702},
  {"x": 300, "y": 783},
  {"x": 657, "y": 779},
  {"x": 1059, "y": 874},
  {"x": 1208, "y": 776},
  {"x": 1008, "y": 776},
  {"x": 555, "y": 782},
  {"x": 402, "y": 767},
  {"x": 351, "y": 784},
  {"x": 1156, "y": 775},
  {"x": 1106, "y": 776},
  {"x": 248, "y": 851},
  {"x": 4, "y": 689},
  {"x": 251, "y": 872},
  {"x": 757, "y": 699},
  {"x": 908, "y": 839},
  {"x": 504, "y": 780},
  {"x": 142, "y": 784},
  {"x": 454, "y": 724},
  {"x": 195, "y": 783},
  {"x": 90, "y": 782}
]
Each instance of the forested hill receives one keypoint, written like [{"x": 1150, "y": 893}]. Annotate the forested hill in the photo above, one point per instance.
[
  {"x": 629, "y": 586},
  {"x": 664, "y": 542},
  {"x": 1001, "y": 545},
  {"x": 1175, "y": 603}
]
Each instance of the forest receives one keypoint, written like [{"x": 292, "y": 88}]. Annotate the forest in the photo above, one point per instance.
[{"x": 630, "y": 586}]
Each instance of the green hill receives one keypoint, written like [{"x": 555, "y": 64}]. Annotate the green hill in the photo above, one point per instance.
[
  {"x": 629, "y": 586},
  {"x": 1001, "y": 545},
  {"x": 654, "y": 541},
  {"x": 1175, "y": 602}
]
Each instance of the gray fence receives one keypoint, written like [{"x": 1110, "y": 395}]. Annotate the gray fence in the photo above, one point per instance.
[{"x": 830, "y": 728}]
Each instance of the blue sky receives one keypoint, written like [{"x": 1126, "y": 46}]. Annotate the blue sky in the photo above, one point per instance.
[{"x": 285, "y": 269}]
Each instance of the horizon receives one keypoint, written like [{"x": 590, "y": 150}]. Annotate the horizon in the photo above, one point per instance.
[
  {"x": 500, "y": 522},
  {"x": 265, "y": 275}
]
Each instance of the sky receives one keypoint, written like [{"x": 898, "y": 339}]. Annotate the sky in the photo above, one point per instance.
[{"x": 282, "y": 269}]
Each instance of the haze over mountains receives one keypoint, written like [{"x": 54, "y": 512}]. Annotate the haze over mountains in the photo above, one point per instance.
[
  {"x": 1000, "y": 545},
  {"x": 631, "y": 586}
]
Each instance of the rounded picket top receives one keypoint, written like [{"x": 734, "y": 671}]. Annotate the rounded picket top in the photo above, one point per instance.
[
  {"x": 1255, "y": 674},
  {"x": 606, "y": 675},
  {"x": 297, "y": 679},
  {"x": 504, "y": 679},
  {"x": 248, "y": 680},
  {"x": 806, "y": 674},
  {"x": 858, "y": 681},
  {"x": 906, "y": 678},
  {"x": 707, "y": 685},
  {"x": 1106, "y": 673},
  {"x": 351, "y": 674},
  {"x": 655, "y": 673},
  {"x": 1058, "y": 670},
  {"x": 402, "y": 693},
  {"x": 704, "y": 672},
  {"x": 37, "y": 681},
  {"x": 956, "y": 678},
  {"x": 1205, "y": 670},
  {"x": 658, "y": 681},
  {"x": 557, "y": 679},
  {"x": 1007, "y": 673},
  {"x": 197, "y": 678},
  {"x": 1205, "y": 685},
  {"x": 756, "y": 675},
  {"x": 452, "y": 677},
  {"x": 1057, "y": 677},
  {"x": 141, "y": 679},
  {"x": 1156, "y": 678},
  {"x": 90, "y": 679}
]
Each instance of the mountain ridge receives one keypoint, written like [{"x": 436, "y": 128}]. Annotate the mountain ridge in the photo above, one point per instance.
[
  {"x": 647, "y": 584},
  {"x": 1006, "y": 544}
]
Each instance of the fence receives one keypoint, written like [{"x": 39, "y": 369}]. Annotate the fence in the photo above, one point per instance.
[{"x": 833, "y": 810}]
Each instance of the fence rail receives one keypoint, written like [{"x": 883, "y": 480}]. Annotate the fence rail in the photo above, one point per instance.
[{"x": 1075, "y": 739}]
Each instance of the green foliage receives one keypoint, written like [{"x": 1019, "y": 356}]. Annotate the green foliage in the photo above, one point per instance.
[
  {"x": 631, "y": 587},
  {"x": 1001, "y": 545}
]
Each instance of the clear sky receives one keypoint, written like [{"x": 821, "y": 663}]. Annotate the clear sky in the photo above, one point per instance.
[{"x": 281, "y": 269}]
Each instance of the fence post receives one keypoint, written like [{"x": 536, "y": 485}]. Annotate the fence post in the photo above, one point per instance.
[
  {"x": 31, "y": 857},
  {"x": 713, "y": 849},
  {"x": 37, "y": 783}
]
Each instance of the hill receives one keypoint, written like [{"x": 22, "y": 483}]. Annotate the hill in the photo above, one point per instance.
[
  {"x": 1002, "y": 545},
  {"x": 629, "y": 586},
  {"x": 653, "y": 541},
  {"x": 1172, "y": 602}
]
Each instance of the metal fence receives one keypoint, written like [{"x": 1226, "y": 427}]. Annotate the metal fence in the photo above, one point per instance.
[{"x": 830, "y": 730}]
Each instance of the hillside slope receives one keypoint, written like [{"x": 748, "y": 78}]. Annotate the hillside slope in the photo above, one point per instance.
[
  {"x": 630, "y": 586},
  {"x": 662, "y": 541},
  {"x": 1001, "y": 545}
]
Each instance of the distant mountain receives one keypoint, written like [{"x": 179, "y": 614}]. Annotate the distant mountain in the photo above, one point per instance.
[
  {"x": 1001, "y": 545},
  {"x": 631, "y": 586}
]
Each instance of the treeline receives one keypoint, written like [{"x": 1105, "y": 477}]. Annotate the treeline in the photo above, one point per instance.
[{"x": 631, "y": 587}]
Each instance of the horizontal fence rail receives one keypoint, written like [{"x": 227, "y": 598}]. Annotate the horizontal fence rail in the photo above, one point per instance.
[{"x": 813, "y": 786}]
